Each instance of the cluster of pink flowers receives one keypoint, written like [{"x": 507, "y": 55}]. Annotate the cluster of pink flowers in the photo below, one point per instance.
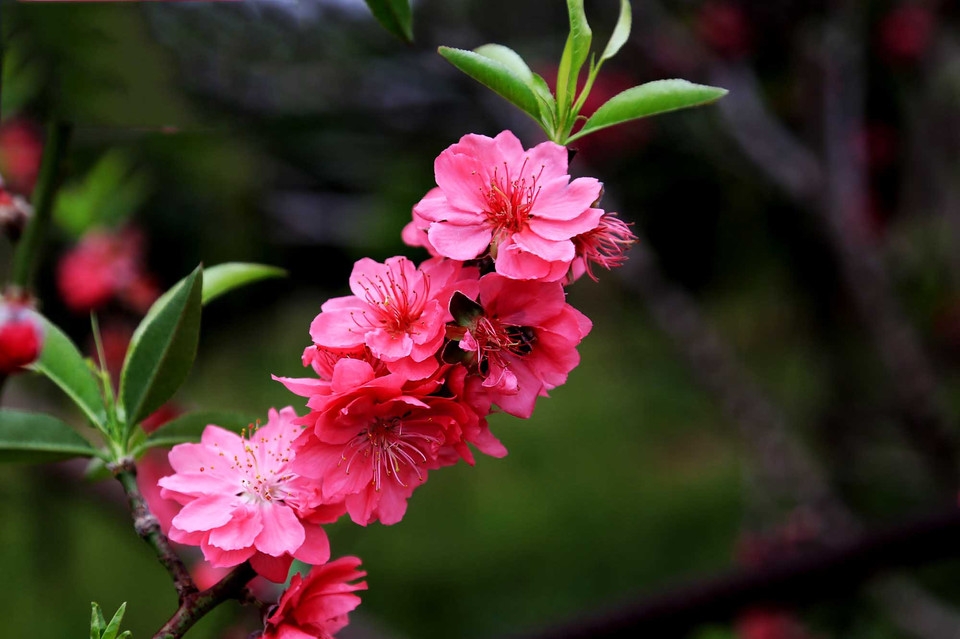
[{"x": 407, "y": 369}]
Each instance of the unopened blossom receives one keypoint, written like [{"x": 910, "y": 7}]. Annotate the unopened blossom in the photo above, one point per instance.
[
  {"x": 317, "y": 606},
  {"x": 603, "y": 246},
  {"x": 521, "y": 339},
  {"x": 398, "y": 311},
  {"x": 242, "y": 500},
  {"x": 21, "y": 336},
  {"x": 519, "y": 206}
]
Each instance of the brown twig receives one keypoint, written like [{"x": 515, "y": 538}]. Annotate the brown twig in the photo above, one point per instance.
[
  {"x": 148, "y": 527},
  {"x": 197, "y": 604},
  {"x": 799, "y": 578}
]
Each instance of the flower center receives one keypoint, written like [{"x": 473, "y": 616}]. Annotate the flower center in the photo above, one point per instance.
[
  {"x": 388, "y": 448},
  {"x": 493, "y": 337},
  {"x": 394, "y": 302},
  {"x": 261, "y": 469},
  {"x": 510, "y": 200}
]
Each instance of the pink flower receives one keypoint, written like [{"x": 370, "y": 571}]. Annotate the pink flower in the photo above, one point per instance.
[
  {"x": 396, "y": 311},
  {"x": 21, "y": 336},
  {"x": 520, "y": 339},
  {"x": 372, "y": 447},
  {"x": 150, "y": 469},
  {"x": 604, "y": 246},
  {"x": 242, "y": 500},
  {"x": 316, "y": 607},
  {"x": 415, "y": 232},
  {"x": 520, "y": 206}
]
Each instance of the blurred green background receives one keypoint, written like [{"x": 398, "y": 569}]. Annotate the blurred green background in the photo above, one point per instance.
[{"x": 301, "y": 133}]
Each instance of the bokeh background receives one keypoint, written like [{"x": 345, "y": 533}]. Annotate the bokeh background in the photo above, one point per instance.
[{"x": 776, "y": 366}]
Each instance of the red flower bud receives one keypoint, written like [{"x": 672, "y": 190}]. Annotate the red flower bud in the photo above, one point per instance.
[{"x": 21, "y": 337}]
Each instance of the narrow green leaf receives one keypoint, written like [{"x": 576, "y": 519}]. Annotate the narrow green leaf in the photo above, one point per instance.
[
  {"x": 496, "y": 76},
  {"x": 97, "y": 622},
  {"x": 395, "y": 16},
  {"x": 63, "y": 364},
  {"x": 162, "y": 350},
  {"x": 189, "y": 427},
  {"x": 512, "y": 60},
  {"x": 508, "y": 58},
  {"x": 620, "y": 32},
  {"x": 36, "y": 438},
  {"x": 649, "y": 99},
  {"x": 575, "y": 53},
  {"x": 223, "y": 278},
  {"x": 113, "y": 628},
  {"x": 542, "y": 91}
]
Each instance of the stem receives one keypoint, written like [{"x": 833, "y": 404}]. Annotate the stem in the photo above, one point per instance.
[
  {"x": 27, "y": 255},
  {"x": 147, "y": 526},
  {"x": 194, "y": 606}
]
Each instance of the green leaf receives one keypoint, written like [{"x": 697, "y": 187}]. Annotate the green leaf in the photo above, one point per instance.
[
  {"x": 114, "y": 626},
  {"x": 162, "y": 350},
  {"x": 648, "y": 99},
  {"x": 620, "y": 32},
  {"x": 97, "y": 622},
  {"x": 575, "y": 53},
  {"x": 496, "y": 76},
  {"x": 508, "y": 58},
  {"x": 395, "y": 16},
  {"x": 36, "y": 438},
  {"x": 109, "y": 193},
  {"x": 189, "y": 427},
  {"x": 63, "y": 364},
  {"x": 515, "y": 64},
  {"x": 223, "y": 278},
  {"x": 464, "y": 310}
]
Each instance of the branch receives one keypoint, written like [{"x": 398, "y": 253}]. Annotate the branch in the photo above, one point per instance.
[
  {"x": 197, "y": 604},
  {"x": 27, "y": 254},
  {"x": 799, "y": 578},
  {"x": 147, "y": 526}
]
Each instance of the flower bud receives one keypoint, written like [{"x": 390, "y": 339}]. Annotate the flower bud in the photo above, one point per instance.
[{"x": 21, "y": 336}]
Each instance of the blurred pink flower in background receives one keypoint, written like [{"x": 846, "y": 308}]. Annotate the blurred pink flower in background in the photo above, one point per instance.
[
  {"x": 20, "y": 153},
  {"x": 906, "y": 33},
  {"x": 761, "y": 623},
  {"x": 724, "y": 27},
  {"x": 103, "y": 266}
]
